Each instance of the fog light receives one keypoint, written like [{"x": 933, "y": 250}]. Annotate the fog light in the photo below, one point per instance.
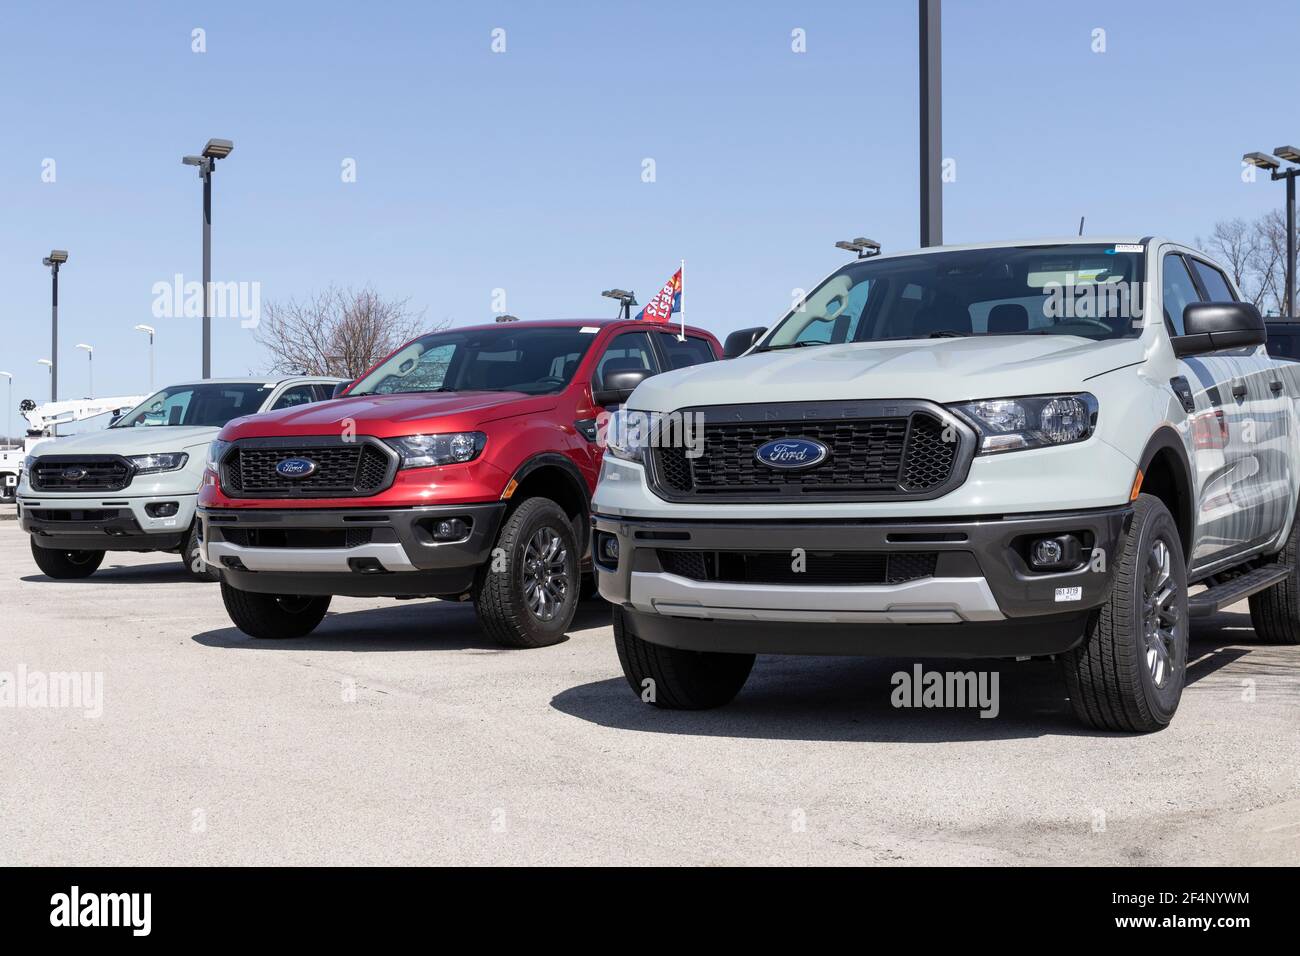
[
  {"x": 450, "y": 529},
  {"x": 607, "y": 548},
  {"x": 162, "y": 509},
  {"x": 1054, "y": 554}
]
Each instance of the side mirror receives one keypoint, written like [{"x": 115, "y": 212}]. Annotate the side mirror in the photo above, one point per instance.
[
  {"x": 741, "y": 341},
  {"x": 340, "y": 388},
  {"x": 618, "y": 386},
  {"x": 1213, "y": 326}
]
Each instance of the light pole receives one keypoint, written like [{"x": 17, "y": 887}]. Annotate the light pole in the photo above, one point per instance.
[
  {"x": 90, "y": 366},
  {"x": 149, "y": 329},
  {"x": 931, "y": 125},
  {"x": 56, "y": 258},
  {"x": 9, "y": 407},
  {"x": 214, "y": 150},
  {"x": 1264, "y": 161}
]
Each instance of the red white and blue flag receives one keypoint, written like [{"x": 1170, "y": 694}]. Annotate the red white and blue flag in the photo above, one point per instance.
[{"x": 667, "y": 301}]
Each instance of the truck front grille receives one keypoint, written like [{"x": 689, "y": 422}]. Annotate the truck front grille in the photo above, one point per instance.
[
  {"x": 80, "y": 473},
  {"x": 297, "y": 537},
  {"x": 913, "y": 453},
  {"x": 343, "y": 469},
  {"x": 816, "y": 567}
]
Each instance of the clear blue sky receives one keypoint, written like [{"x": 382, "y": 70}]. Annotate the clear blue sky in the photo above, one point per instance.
[{"x": 522, "y": 170}]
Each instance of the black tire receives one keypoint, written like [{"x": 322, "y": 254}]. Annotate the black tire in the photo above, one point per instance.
[
  {"x": 513, "y": 611},
  {"x": 1118, "y": 679},
  {"x": 66, "y": 565},
  {"x": 678, "y": 679},
  {"x": 190, "y": 555},
  {"x": 1275, "y": 612},
  {"x": 274, "y": 616},
  {"x": 589, "y": 590}
]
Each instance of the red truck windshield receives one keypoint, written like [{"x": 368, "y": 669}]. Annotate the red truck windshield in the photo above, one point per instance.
[{"x": 534, "y": 361}]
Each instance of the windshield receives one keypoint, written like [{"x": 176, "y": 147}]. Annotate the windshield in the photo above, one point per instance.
[
  {"x": 206, "y": 403},
  {"x": 1092, "y": 291},
  {"x": 536, "y": 361}
]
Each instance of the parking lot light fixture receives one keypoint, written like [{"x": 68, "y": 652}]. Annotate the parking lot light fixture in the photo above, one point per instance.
[
  {"x": 214, "y": 150},
  {"x": 90, "y": 367},
  {"x": 54, "y": 260},
  {"x": 150, "y": 330},
  {"x": 625, "y": 300},
  {"x": 864, "y": 247},
  {"x": 1264, "y": 161}
]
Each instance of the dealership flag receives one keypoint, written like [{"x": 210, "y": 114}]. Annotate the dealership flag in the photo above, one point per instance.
[{"x": 667, "y": 301}]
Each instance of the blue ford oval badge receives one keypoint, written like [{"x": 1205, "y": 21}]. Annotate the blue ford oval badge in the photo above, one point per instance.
[
  {"x": 791, "y": 453},
  {"x": 295, "y": 468}
]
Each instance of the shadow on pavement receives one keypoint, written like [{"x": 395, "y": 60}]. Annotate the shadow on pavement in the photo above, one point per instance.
[
  {"x": 168, "y": 572},
  {"x": 849, "y": 699},
  {"x": 405, "y": 626}
]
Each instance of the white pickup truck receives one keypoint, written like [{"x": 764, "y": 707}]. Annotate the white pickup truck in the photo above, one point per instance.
[
  {"x": 1007, "y": 450},
  {"x": 134, "y": 485}
]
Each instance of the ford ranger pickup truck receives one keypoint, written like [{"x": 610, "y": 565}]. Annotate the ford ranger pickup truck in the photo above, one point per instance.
[
  {"x": 460, "y": 466},
  {"x": 133, "y": 486},
  {"x": 1013, "y": 450}
]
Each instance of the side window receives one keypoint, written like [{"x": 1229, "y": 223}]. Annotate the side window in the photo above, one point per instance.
[
  {"x": 631, "y": 350},
  {"x": 693, "y": 351},
  {"x": 1282, "y": 345},
  {"x": 1177, "y": 291},
  {"x": 1214, "y": 281},
  {"x": 298, "y": 395}
]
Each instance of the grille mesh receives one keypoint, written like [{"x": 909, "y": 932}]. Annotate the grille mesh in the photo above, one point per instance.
[
  {"x": 342, "y": 470},
  {"x": 101, "y": 474},
  {"x": 889, "y": 457},
  {"x": 820, "y": 567}
]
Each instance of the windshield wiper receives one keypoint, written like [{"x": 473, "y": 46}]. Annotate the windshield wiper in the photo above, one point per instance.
[
  {"x": 947, "y": 334},
  {"x": 788, "y": 345}
]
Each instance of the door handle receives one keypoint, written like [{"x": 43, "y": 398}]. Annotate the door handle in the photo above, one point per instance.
[
  {"x": 1275, "y": 386},
  {"x": 1239, "y": 389}
]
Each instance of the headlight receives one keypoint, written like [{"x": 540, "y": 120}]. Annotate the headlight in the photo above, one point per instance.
[
  {"x": 424, "y": 451},
  {"x": 150, "y": 464},
  {"x": 627, "y": 435},
  {"x": 217, "y": 451},
  {"x": 1013, "y": 424}
]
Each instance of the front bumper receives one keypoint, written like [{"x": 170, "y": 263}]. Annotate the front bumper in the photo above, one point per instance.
[
  {"x": 361, "y": 552},
  {"x": 104, "y": 522},
  {"x": 981, "y": 599}
]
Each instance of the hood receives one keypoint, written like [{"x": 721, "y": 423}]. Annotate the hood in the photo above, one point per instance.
[
  {"x": 129, "y": 441},
  {"x": 385, "y": 416},
  {"x": 941, "y": 370}
]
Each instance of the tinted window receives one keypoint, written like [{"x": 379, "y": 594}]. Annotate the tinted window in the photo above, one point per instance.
[
  {"x": 1085, "y": 289},
  {"x": 1178, "y": 291},
  {"x": 1216, "y": 284},
  {"x": 631, "y": 350},
  {"x": 209, "y": 404},
  {"x": 683, "y": 354},
  {"x": 298, "y": 395},
  {"x": 512, "y": 358},
  {"x": 1283, "y": 345}
]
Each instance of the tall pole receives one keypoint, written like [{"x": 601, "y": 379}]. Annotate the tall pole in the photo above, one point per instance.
[
  {"x": 207, "y": 267},
  {"x": 1290, "y": 242},
  {"x": 151, "y": 361},
  {"x": 931, "y": 126},
  {"x": 54, "y": 333}
]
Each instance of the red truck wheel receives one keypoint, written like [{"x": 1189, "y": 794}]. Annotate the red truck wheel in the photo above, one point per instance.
[{"x": 526, "y": 594}]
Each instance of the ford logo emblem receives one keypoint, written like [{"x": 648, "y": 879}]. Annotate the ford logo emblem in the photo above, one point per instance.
[
  {"x": 74, "y": 474},
  {"x": 789, "y": 454},
  {"x": 295, "y": 468}
]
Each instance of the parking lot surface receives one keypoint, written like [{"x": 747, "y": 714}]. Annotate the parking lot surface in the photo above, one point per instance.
[{"x": 397, "y": 733}]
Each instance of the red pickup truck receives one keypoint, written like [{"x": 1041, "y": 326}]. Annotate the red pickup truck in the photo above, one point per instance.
[{"x": 461, "y": 466}]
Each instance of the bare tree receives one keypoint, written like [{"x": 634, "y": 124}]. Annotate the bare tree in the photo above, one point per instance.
[
  {"x": 337, "y": 331},
  {"x": 1255, "y": 254},
  {"x": 1235, "y": 243}
]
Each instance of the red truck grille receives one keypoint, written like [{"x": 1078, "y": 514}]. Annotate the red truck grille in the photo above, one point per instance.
[{"x": 342, "y": 469}]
